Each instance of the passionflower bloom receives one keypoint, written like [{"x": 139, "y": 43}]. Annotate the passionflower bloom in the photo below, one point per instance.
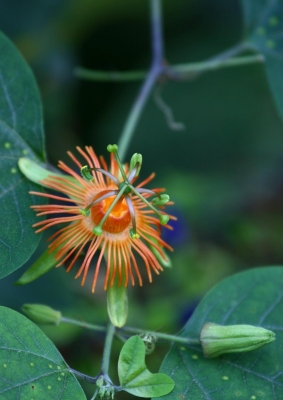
[{"x": 103, "y": 211}]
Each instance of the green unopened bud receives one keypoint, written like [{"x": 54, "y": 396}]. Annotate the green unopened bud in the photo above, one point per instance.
[
  {"x": 160, "y": 201},
  {"x": 216, "y": 339},
  {"x": 136, "y": 161},
  {"x": 42, "y": 314},
  {"x": 112, "y": 148},
  {"x": 86, "y": 174}
]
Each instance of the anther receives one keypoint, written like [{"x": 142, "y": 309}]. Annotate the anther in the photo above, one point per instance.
[
  {"x": 161, "y": 200},
  {"x": 85, "y": 173},
  {"x": 163, "y": 219}
]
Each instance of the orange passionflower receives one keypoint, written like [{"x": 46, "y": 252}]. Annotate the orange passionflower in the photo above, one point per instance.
[{"x": 104, "y": 211}]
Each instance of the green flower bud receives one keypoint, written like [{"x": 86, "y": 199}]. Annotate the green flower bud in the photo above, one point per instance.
[
  {"x": 216, "y": 339},
  {"x": 42, "y": 314},
  {"x": 160, "y": 201},
  {"x": 136, "y": 159}
]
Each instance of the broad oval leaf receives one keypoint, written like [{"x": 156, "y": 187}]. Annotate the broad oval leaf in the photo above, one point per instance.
[
  {"x": 253, "y": 297},
  {"x": 134, "y": 376},
  {"x": 264, "y": 31},
  {"x": 21, "y": 134},
  {"x": 31, "y": 366}
]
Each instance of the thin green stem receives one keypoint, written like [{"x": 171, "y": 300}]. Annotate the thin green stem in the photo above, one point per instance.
[
  {"x": 215, "y": 64},
  {"x": 83, "y": 324},
  {"x": 165, "y": 336},
  {"x": 120, "y": 165},
  {"x": 111, "y": 76},
  {"x": 153, "y": 74},
  {"x": 107, "y": 348},
  {"x": 87, "y": 378},
  {"x": 135, "y": 113}
]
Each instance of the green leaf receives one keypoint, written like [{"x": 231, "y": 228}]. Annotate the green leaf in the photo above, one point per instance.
[
  {"x": 21, "y": 134},
  {"x": 31, "y": 366},
  {"x": 134, "y": 377},
  {"x": 253, "y": 297},
  {"x": 42, "y": 265},
  {"x": 264, "y": 31}
]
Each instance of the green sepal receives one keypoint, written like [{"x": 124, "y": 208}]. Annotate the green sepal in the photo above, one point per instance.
[
  {"x": 35, "y": 172},
  {"x": 117, "y": 304},
  {"x": 42, "y": 265}
]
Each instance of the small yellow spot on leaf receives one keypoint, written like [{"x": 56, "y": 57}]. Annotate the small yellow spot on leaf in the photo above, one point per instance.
[
  {"x": 59, "y": 379},
  {"x": 50, "y": 366},
  {"x": 7, "y": 145},
  {"x": 63, "y": 373},
  {"x": 183, "y": 348},
  {"x": 195, "y": 357},
  {"x": 5, "y": 365},
  {"x": 31, "y": 364},
  {"x": 225, "y": 378},
  {"x": 13, "y": 170},
  {"x": 253, "y": 398},
  {"x": 48, "y": 387},
  {"x": 58, "y": 367},
  {"x": 25, "y": 152}
]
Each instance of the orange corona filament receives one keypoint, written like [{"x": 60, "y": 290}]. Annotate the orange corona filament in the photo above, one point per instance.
[{"x": 118, "y": 220}]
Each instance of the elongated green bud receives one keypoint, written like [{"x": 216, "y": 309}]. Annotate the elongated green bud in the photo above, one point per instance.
[
  {"x": 42, "y": 314},
  {"x": 216, "y": 339}
]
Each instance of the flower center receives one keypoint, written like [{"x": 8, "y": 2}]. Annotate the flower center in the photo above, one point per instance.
[{"x": 118, "y": 220}]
